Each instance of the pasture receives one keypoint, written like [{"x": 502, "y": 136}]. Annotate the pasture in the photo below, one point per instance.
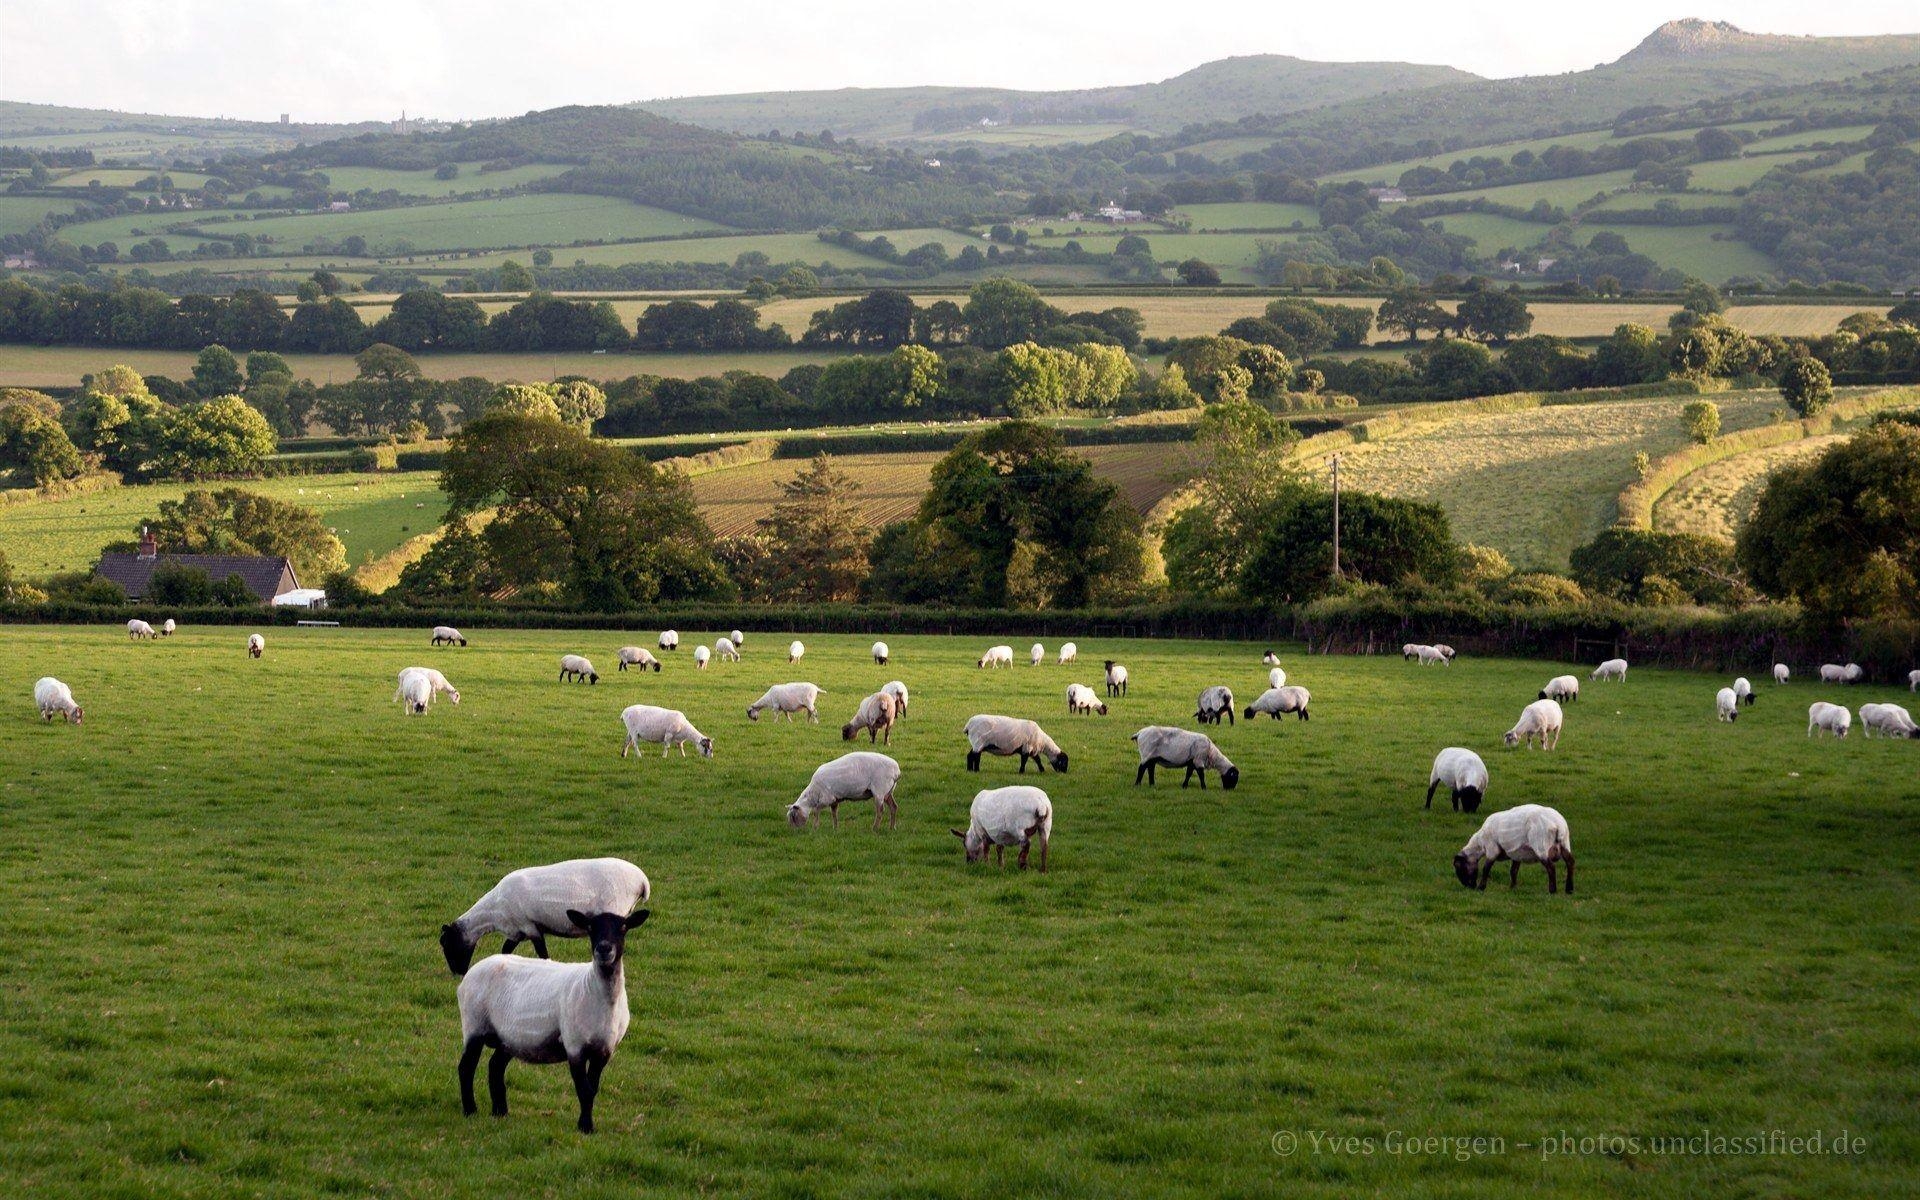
[{"x": 227, "y": 982}]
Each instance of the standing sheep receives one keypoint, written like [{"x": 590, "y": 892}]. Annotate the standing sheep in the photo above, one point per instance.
[
  {"x": 727, "y": 649},
  {"x": 1008, "y": 736},
  {"x": 1743, "y": 691},
  {"x": 1853, "y": 672},
  {"x": 637, "y": 656},
  {"x": 1780, "y": 672},
  {"x": 736, "y": 637},
  {"x": 447, "y": 635},
  {"x": 436, "y": 683},
  {"x": 898, "y": 691},
  {"x": 1429, "y": 655},
  {"x": 664, "y": 727},
  {"x": 1540, "y": 719},
  {"x": 788, "y": 698},
  {"x": 876, "y": 715},
  {"x": 1446, "y": 652},
  {"x": 578, "y": 669},
  {"x": 1283, "y": 699},
  {"x": 1081, "y": 699},
  {"x": 1891, "y": 720},
  {"x": 256, "y": 645},
  {"x": 1215, "y": 702},
  {"x": 1614, "y": 669},
  {"x": 1563, "y": 688},
  {"x": 1828, "y": 718},
  {"x": 701, "y": 656},
  {"x": 1116, "y": 679},
  {"x": 138, "y": 630},
  {"x": 1527, "y": 833},
  {"x": 531, "y": 904},
  {"x": 1276, "y": 678},
  {"x": 167, "y": 627},
  {"x": 1007, "y": 816},
  {"x": 1726, "y": 702},
  {"x": 1068, "y": 653},
  {"x": 1913, "y": 681},
  {"x": 1462, "y": 772},
  {"x": 416, "y": 692},
  {"x": 881, "y": 653},
  {"x": 1166, "y": 746},
  {"x": 795, "y": 651},
  {"x": 996, "y": 657},
  {"x": 1270, "y": 659},
  {"x": 1037, "y": 655},
  {"x": 1411, "y": 650},
  {"x": 859, "y": 775},
  {"x": 52, "y": 697},
  {"x": 669, "y": 639}
]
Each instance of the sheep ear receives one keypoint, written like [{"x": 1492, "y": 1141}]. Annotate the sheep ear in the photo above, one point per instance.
[
  {"x": 578, "y": 918},
  {"x": 637, "y": 919},
  {"x": 958, "y": 834}
]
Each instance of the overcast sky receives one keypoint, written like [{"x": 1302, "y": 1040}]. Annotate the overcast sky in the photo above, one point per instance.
[{"x": 336, "y": 60}]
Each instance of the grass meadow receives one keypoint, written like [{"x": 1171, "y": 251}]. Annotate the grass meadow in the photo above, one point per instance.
[
  {"x": 227, "y": 885},
  {"x": 1719, "y": 498}
]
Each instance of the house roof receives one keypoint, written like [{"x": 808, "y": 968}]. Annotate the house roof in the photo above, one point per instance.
[{"x": 265, "y": 577}]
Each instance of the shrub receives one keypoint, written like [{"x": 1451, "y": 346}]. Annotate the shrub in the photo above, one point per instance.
[
  {"x": 175, "y": 585},
  {"x": 1703, "y": 421},
  {"x": 1540, "y": 589},
  {"x": 1807, "y": 386}
]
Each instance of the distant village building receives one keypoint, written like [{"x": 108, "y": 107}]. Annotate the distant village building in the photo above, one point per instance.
[
  {"x": 1117, "y": 215},
  {"x": 1387, "y": 195},
  {"x": 988, "y": 123},
  {"x": 403, "y": 125},
  {"x": 268, "y": 578},
  {"x": 340, "y": 206},
  {"x": 933, "y": 162},
  {"x": 286, "y": 118}
]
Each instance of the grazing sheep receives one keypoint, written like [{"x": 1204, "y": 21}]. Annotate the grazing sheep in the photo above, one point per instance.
[
  {"x": 447, "y": 635},
  {"x": 1890, "y": 719},
  {"x": 1527, "y": 833},
  {"x": 1283, "y": 699},
  {"x": 669, "y": 639},
  {"x": 1430, "y": 655},
  {"x": 572, "y": 665},
  {"x": 1270, "y": 659},
  {"x": 727, "y": 649},
  {"x": 1037, "y": 655},
  {"x": 1068, "y": 653},
  {"x": 859, "y": 775},
  {"x": 881, "y": 653},
  {"x": 1743, "y": 690},
  {"x": 138, "y": 630},
  {"x": 898, "y": 691},
  {"x": 1116, "y": 679},
  {"x": 1726, "y": 702},
  {"x": 256, "y": 645},
  {"x": 1913, "y": 680},
  {"x": 1008, "y": 736},
  {"x": 1215, "y": 702},
  {"x": 736, "y": 637},
  {"x": 167, "y": 627},
  {"x": 1853, "y": 672},
  {"x": 1564, "y": 688},
  {"x": 665, "y": 727},
  {"x": 1007, "y": 816},
  {"x": 1832, "y": 673},
  {"x": 795, "y": 651},
  {"x": 1411, "y": 650},
  {"x": 436, "y": 683},
  {"x": 1828, "y": 718},
  {"x": 415, "y": 693},
  {"x": 1780, "y": 672},
  {"x": 51, "y": 696},
  {"x": 1464, "y": 775},
  {"x": 1540, "y": 719},
  {"x": 701, "y": 656},
  {"x": 996, "y": 657},
  {"x": 541, "y": 1011},
  {"x": 876, "y": 715},
  {"x": 1446, "y": 652},
  {"x": 637, "y": 656},
  {"x": 1276, "y": 678},
  {"x": 1082, "y": 699},
  {"x": 1166, "y": 746},
  {"x": 788, "y": 698},
  {"x": 531, "y": 905},
  {"x": 1614, "y": 669}
]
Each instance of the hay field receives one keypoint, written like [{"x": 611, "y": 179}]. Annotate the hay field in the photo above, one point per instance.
[{"x": 1718, "y": 499}]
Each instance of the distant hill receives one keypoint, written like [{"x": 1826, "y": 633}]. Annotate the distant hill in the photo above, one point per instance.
[
  {"x": 1225, "y": 90},
  {"x": 153, "y": 137}
]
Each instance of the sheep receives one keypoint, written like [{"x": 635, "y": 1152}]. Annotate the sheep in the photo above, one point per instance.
[
  {"x": 1726, "y": 702},
  {"x": 727, "y": 649},
  {"x": 1007, "y": 816},
  {"x": 1037, "y": 655},
  {"x": 881, "y": 653},
  {"x": 1540, "y": 719},
  {"x": 416, "y": 692},
  {"x": 736, "y": 637},
  {"x": 1068, "y": 653},
  {"x": 537, "y": 1010},
  {"x": 167, "y": 627},
  {"x": 795, "y": 651},
  {"x": 788, "y": 698},
  {"x": 996, "y": 657},
  {"x": 1835, "y": 673},
  {"x": 138, "y": 630},
  {"x": 1853, "y": 672},
  {"x": 1743, "y": 691},
  {"x": 1446, "y": 652},
  {"x": 579, "y": 669},
  {"x": 667, "y": 727},
  {"x": 1164, "y": 745},
  {"x": 1270, "y": 659},
  {"x": 1082, "y": 699},
  {"x": 1430, "y": 655},
  {"x": 1215, "y": 702},
  {"x": 1116, "y": 679},
  {"x": 1564, "y": 688},
  {"x": 447, "y": 635},
  {"x": 1913, "y": 680},
  {"x": 1276, "y": 678},
  {"x": 898, "y": 691},
  {"x": 701, "y": 656},
  {"x": 1614, "y": 669},
  {"x": 1524, "y": 834},
  {"x": 1780, "y": 672},
  {"x": 1008, "y": 736},
  {"x": 669, "y": 639},
  {"x": 859, "y": 775},
  {"x": 1890, "y": 719},
  {"x": 637, "y": 656},
  {"x": 876, "y": 715},
  {"x": 51, "y": 696},
  {"x": 256, "y": 645},
  {"x": 1284, "y": 699},
  {"x": 1464, "y": 775},
  {"x": 530, "y": 905},
  {"x": 1828, "y": 718},
  {"x": 1411, "y": 650},
  {"x": 436, "y": 683}
]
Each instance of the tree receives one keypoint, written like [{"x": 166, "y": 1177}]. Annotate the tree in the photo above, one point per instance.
[
  {"x": 1383, "y": 540},
  {"x": 1807, "y": 386},
  {"x": 535, "y": 400},
  {"x": 512, "y": 277},
  {"x": 1002, "y": 312},
  {"x": 1495, "y": 315},
  {"x": 1239, "y": 458},
  {"x": 386, "y": 364},
  {"x": 226, "y": 436},
  {"x": 1196, "y": 273},
  {"x": 330, "y": 326},
  {"x": 1452, "y": 368},
  {"x": 1636, "y": 565},
  {"x": 579, "y": 403},
  {"x": 543, "y": 258},
  {"x": 233, "y": 592},
  {"x": 816, "y": 538},
  {"x": 36, "y": 446},
  {"x": 1714, "y": 143},
  {"x": 1701, "y": 299},
  {"x": 1410, "y": 310},
  {"x": 216, "y": 372},
  {"x": 1631, "y": 354},
  {"x": 172, "y": 585},
  {"x": 1702, "y": 418},
  {"x": 236, "y": 521}
]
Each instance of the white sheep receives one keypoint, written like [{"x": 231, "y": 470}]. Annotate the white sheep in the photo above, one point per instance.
[
  {"x": 795, "y": 651},
  {"x": 578, "y": 669},
  {"x": 736, "y": 637},
  {"x": 138, "y": 630},
  {"x": 1781, "y": 673},
  {"x": 531, "y": 904},
  {"x": 436, "y": 683},
  {"x": 898, "y": 691},
  {"x": 1082, "y": 699},
  {"x": 541, "y": 1011},
  {"x": 636, "y": 656},
  {"x": 1411, "y": 650},
  {"x": 664, "y": 727},
  {"x": 1540, "y": 719},
  {"x": 1116, "y": 679},
  {"x": 1743, "y": 691},
  {"x": 1891, "y": 720},
  {"x": 1429, "y": 655},
  {"x": 1614, "y": 669},
  {"x": 1276, "y": 678},
  {"x": 1007, "y": 816},
  {"x": 52, "y": 697},
  {"x": 701, "y": 656},
  {"x": 1283, "y": 699},
  {"x": 1008, "y": 736},
  {"x": 727, "y": 649},
  {"x": 1446, "y": 652},
  {"x": 860, "y": 775},
  {"x": 167, "y": 627},
  {"x": 1726, "y": 702},
  {"x": 447, "y": 635},
  {"x": 1913, "y": 681},
  {"x": 1166, "y": 746},
  {"x": 1215, "y": 702},
  {"x": 1524, "y": 834},
  {"x": 788, "y": 698},
  {"x": 1464, "y": 775},
  {"x": 1037, "y": 655},
  {"x": 669, "y": 639},
  {"x": 415, "y": 692},
  {"x": 876, "y": 715},
  {"x": 881, "y": 653},
  {"x": 1564, "y": 688},
  {"x": 1270, "y": 659},
  {"x": 1828, "y": 718},
  {"x": 1853, "y": 672},
  {"x": 256, "y": 645},
  {"x": 996, "y": 657},
  {"x": 1068, "y": 653}
]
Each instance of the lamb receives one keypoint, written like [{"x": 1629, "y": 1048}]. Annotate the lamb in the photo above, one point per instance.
[
  {"x": 1614, "y": 669},
  {"x": 727, "y": 649},
  {"x": 1276, "y": 678},
  {"x": 1743, "y": 690},
  {"x": 1780, "y": 672},
  {"x": 1215, "y": 702},
  {"x": 669, "y": 639},
  {"x": 1270, "y": 659},
  {"x": 138, "y": 629},
  {"x": 51, "y": 696},
  {"x": 876, "y": 715},
  {"x": 737, "y": 638},
  {"x": 1564, "y": 688},
  {"x": 898, "y": 691},
  {"x": 881, "y": 653},
  {"x": 531, "y": 904},
  {"x": 1464, "y": 775},
  {"x": 1890, "y": 719},
  {"x": 637, "y": 656},
  {"x": 256, "y": 645},
  {"x": 1081, "y": 699},
  {"x": 860, "y": 775},
  {"x": 1726, "y": 702},
  {"x": 1540, "y": 719},
  {"x": 1430, "y": 655},
  {"x": 541, "y": 1011},
  {"x": 1116, "y": 679},
  {"x": 167, "y": 627},
  {"x": 1283, "y": 699},
  {"x": 1037, "y": 655},
  {"x": 701, "y": 656},
  {"x": 794, "y": 651},
  {"x": 1068, "y": 653},
  {"x": 1007, "y": 816},
  {"x": 788, "y": 698},
  {"x": 666, "y": 727},
  {"x": 416, "y": 692},
  {"x": 436, "y": 683},
  {"x": 1164, "y": 745},
  {"x": 447, "y": 635},
  {"x": 1828, "y": 718},
  {"x": 579, "y": 669},
  {"x": 1527, "y": 833},
  {"x": 1008, "y": 736},
  {"x": 996, "y": 657}
]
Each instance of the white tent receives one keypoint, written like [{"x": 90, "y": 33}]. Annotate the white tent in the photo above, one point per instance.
[{"x": 301, "y": 598}]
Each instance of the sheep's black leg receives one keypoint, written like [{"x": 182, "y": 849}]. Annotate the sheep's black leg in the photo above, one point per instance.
[
  {"x": 469, "y": 1059},
  {"x": 508, "y": 946},
  {"x": 1513, "y": 880},
  {"x": 1023, "y": 762},
  {"x": 1569, "y": 861},
  {"x": 497, "y": 1080},
  {"x": 1040, "y": 762},
  {"x": 1216, "y": 719},
  {"x": 1022, "y": 863},
  {"x": 973, "y": 760},
  {"x": 1430, "y": 790},
  {"x": 1141, "y": 773},
  {"x": 584, "y": 1086},
  {"x": 1553, "y": 881},
  {"x": 1486, "y": 873},
  {"x": 540, "y": 945}
]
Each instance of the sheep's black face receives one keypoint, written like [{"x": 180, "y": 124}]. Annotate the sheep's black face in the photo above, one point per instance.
[
  {"x": 459, "y": 953},
  {"x": 1249, "y": 712},
  {"x": 1463, "y": 869},
  {"x": 1469, "y": 799},
  {"x": 1230, "y": 778},
  {"x": 706, "y": 747},
  {"x": 1543, "y": 695},
  {"x": 608, "y": 932},
  {"x": 1060, "y": 762}
]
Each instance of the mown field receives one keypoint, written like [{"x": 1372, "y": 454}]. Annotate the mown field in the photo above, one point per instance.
[
  {"x": 232, "y": 988},
  {"x": 1718, "y": 499}
]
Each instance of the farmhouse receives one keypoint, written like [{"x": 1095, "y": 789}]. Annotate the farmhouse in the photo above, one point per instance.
[
  {"x": 266, "y": 577},
  {"x": 1118, "y": 215},
  {"x": 1387, "y": 195}
]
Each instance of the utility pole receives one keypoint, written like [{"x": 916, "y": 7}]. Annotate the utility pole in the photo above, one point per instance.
[{"x": 1336, "y": 516}]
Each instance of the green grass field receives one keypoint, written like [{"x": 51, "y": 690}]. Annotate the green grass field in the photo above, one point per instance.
[
  {"x": 19, "y": 214},
  {"x": 422, "y": 183},
  {"x": 1492, "y": 231},
  {"x": 127, "y": 177},
  {"x": 1696, "y": 250},
  {"x": 1728, "y": 174},
  {"x": 1251, "y": 214},
  {"x": 227, "y": 981}
]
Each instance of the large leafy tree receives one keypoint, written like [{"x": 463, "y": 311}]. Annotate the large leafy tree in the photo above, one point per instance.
[
  {"x": 236, "y": 521},
  {"x": 1243, "y": 472},
  {"x": 1383, "y": 539}
]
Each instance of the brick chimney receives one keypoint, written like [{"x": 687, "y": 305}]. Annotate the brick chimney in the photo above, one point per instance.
[{"x": 149, "y": 545}]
